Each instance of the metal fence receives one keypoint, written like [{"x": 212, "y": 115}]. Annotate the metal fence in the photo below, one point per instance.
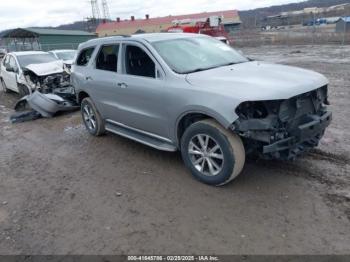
[
  {"x": 321, "y": 34},
  {"x": 260, "y": 39},
  {"x": 59, "y": 46},
  {"x": 41, "y": 47}
]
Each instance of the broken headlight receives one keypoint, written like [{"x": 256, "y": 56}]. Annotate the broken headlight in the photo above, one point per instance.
[
  {"x": 21, "y": 78},
  {"x": 29, "y": 82},
  {"x": 287, "y": 110},
  {"x": 249, "y": 110}
]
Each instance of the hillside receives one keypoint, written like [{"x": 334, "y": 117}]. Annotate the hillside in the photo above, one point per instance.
[
  {"x": 251, "y": 17},
  {"x": 79, "y": 25}
]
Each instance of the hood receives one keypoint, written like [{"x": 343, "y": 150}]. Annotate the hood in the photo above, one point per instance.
[
  {"x": 254, "y": 81},
  {"x": 44, "y": 69},
  {"x": 68, "y": 62}
]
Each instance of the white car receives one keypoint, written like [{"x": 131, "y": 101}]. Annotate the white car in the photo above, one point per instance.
[
  {"x": 67, "y": 55},
  {"x": 2, "y": 52},
  {"x": 16, "y": 64}
]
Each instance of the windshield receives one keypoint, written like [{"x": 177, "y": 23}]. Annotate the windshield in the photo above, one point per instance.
[
  {"x": 188, "y": 55},
  {"x": 25, "y": 60},
  {"x": 67, "y": 55}
]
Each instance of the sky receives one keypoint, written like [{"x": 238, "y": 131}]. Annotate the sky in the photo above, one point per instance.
[{"x": 29, "y": 13}]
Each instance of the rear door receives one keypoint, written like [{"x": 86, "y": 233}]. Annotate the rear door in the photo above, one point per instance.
[
  {"x": 102, "y": 80},
  {"x": 81, "y": 72}
]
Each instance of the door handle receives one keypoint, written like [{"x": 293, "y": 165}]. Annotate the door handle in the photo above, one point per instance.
[
  {"x": 122, "y": 85},
  {"x": 88, "y": 78}
]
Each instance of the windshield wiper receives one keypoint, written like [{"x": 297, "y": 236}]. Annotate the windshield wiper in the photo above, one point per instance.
[
  {"x": 228, "y": 64},
  {"x": 234, "y": 63},
  {"x": 208, "y": 68},
  {"x": 200, "y": 69}
]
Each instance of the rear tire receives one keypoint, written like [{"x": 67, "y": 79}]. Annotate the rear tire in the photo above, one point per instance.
[
  {"x": 92, "y": 119},
  {"x": 214, "y": 155}
]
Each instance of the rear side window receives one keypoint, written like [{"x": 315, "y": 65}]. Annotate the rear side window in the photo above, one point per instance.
[
  {"x": 85, "y": 56},
  {"x": 107, "y": 58}
]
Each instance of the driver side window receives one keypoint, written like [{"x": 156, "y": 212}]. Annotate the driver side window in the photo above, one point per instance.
[{"x": 138, "y": 62}]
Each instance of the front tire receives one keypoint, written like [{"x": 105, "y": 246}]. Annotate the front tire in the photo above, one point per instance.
[
  {"x": 92, "y": 119},
  {"x": 23, "y": 90},
  {"x": 214, "y": 155}
]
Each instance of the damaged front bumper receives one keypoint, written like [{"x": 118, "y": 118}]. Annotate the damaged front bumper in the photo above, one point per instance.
[
  {"x": 307, "y": 136},
  {"x": 284, "y": 129},
  {"x": 49, "y": 104}
]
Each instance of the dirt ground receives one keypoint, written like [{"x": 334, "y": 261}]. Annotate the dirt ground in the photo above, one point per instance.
[{"x": 65, "y": 192}]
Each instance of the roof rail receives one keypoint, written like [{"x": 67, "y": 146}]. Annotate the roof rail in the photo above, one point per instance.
[
  {"x": 105, "y": 37},
  {"x": 119, "y": 35}
]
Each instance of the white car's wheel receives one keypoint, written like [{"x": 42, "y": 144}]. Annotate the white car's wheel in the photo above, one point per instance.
[{"x": 23, "y": 90}]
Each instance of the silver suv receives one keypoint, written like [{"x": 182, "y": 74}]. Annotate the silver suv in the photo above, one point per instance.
[{"x": 196, "y": 94}]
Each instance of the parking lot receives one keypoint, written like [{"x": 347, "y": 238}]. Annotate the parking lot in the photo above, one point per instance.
[{"x": 63, "y": 191}]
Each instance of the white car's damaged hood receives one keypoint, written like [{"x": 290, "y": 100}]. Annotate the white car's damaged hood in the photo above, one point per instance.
[
  {"x": 44, "y": 69},
  {"x": 68, "y": 62},
  {"x": 254, "y": 81}
]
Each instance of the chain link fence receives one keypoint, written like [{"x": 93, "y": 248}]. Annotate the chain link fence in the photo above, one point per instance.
[
  {"x": 253, "y": 38},
  {"x": 298, "y": 34}
]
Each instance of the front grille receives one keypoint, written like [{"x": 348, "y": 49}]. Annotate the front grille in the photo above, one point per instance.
[{"x": 297, "y": 110}]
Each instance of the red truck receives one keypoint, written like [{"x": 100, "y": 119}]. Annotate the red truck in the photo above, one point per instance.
[{"x": 212, "y": 26}]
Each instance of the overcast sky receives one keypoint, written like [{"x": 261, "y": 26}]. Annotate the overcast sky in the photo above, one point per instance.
[{"x": 27, "y": 13}]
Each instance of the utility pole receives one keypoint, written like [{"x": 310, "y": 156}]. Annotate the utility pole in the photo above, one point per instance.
[
  {"x": 93, "y": 21},
  {"x": 105, "y": 9},
  {"x": 95, "y": 10}
]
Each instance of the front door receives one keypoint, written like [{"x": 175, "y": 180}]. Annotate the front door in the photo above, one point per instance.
[
  {"x": 141, "y": 93},
  {"x": 10, "y": 76}
]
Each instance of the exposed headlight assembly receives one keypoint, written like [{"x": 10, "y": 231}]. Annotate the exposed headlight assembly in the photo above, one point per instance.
[{"x": 249, "y": 110}]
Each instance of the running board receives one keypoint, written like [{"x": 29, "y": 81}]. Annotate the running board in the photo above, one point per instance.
[{"x": 140, "y": 136}]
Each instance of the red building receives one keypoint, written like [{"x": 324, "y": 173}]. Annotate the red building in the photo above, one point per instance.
[{"x": 230, "y": 21}]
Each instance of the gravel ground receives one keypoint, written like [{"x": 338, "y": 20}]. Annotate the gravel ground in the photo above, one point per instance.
[{"x": 65, "y": 192}]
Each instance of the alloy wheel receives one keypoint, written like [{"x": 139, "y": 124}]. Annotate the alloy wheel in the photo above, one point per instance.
[
  {"x": 89, "y": 117},
  {"x": 206, "y": 155}
]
